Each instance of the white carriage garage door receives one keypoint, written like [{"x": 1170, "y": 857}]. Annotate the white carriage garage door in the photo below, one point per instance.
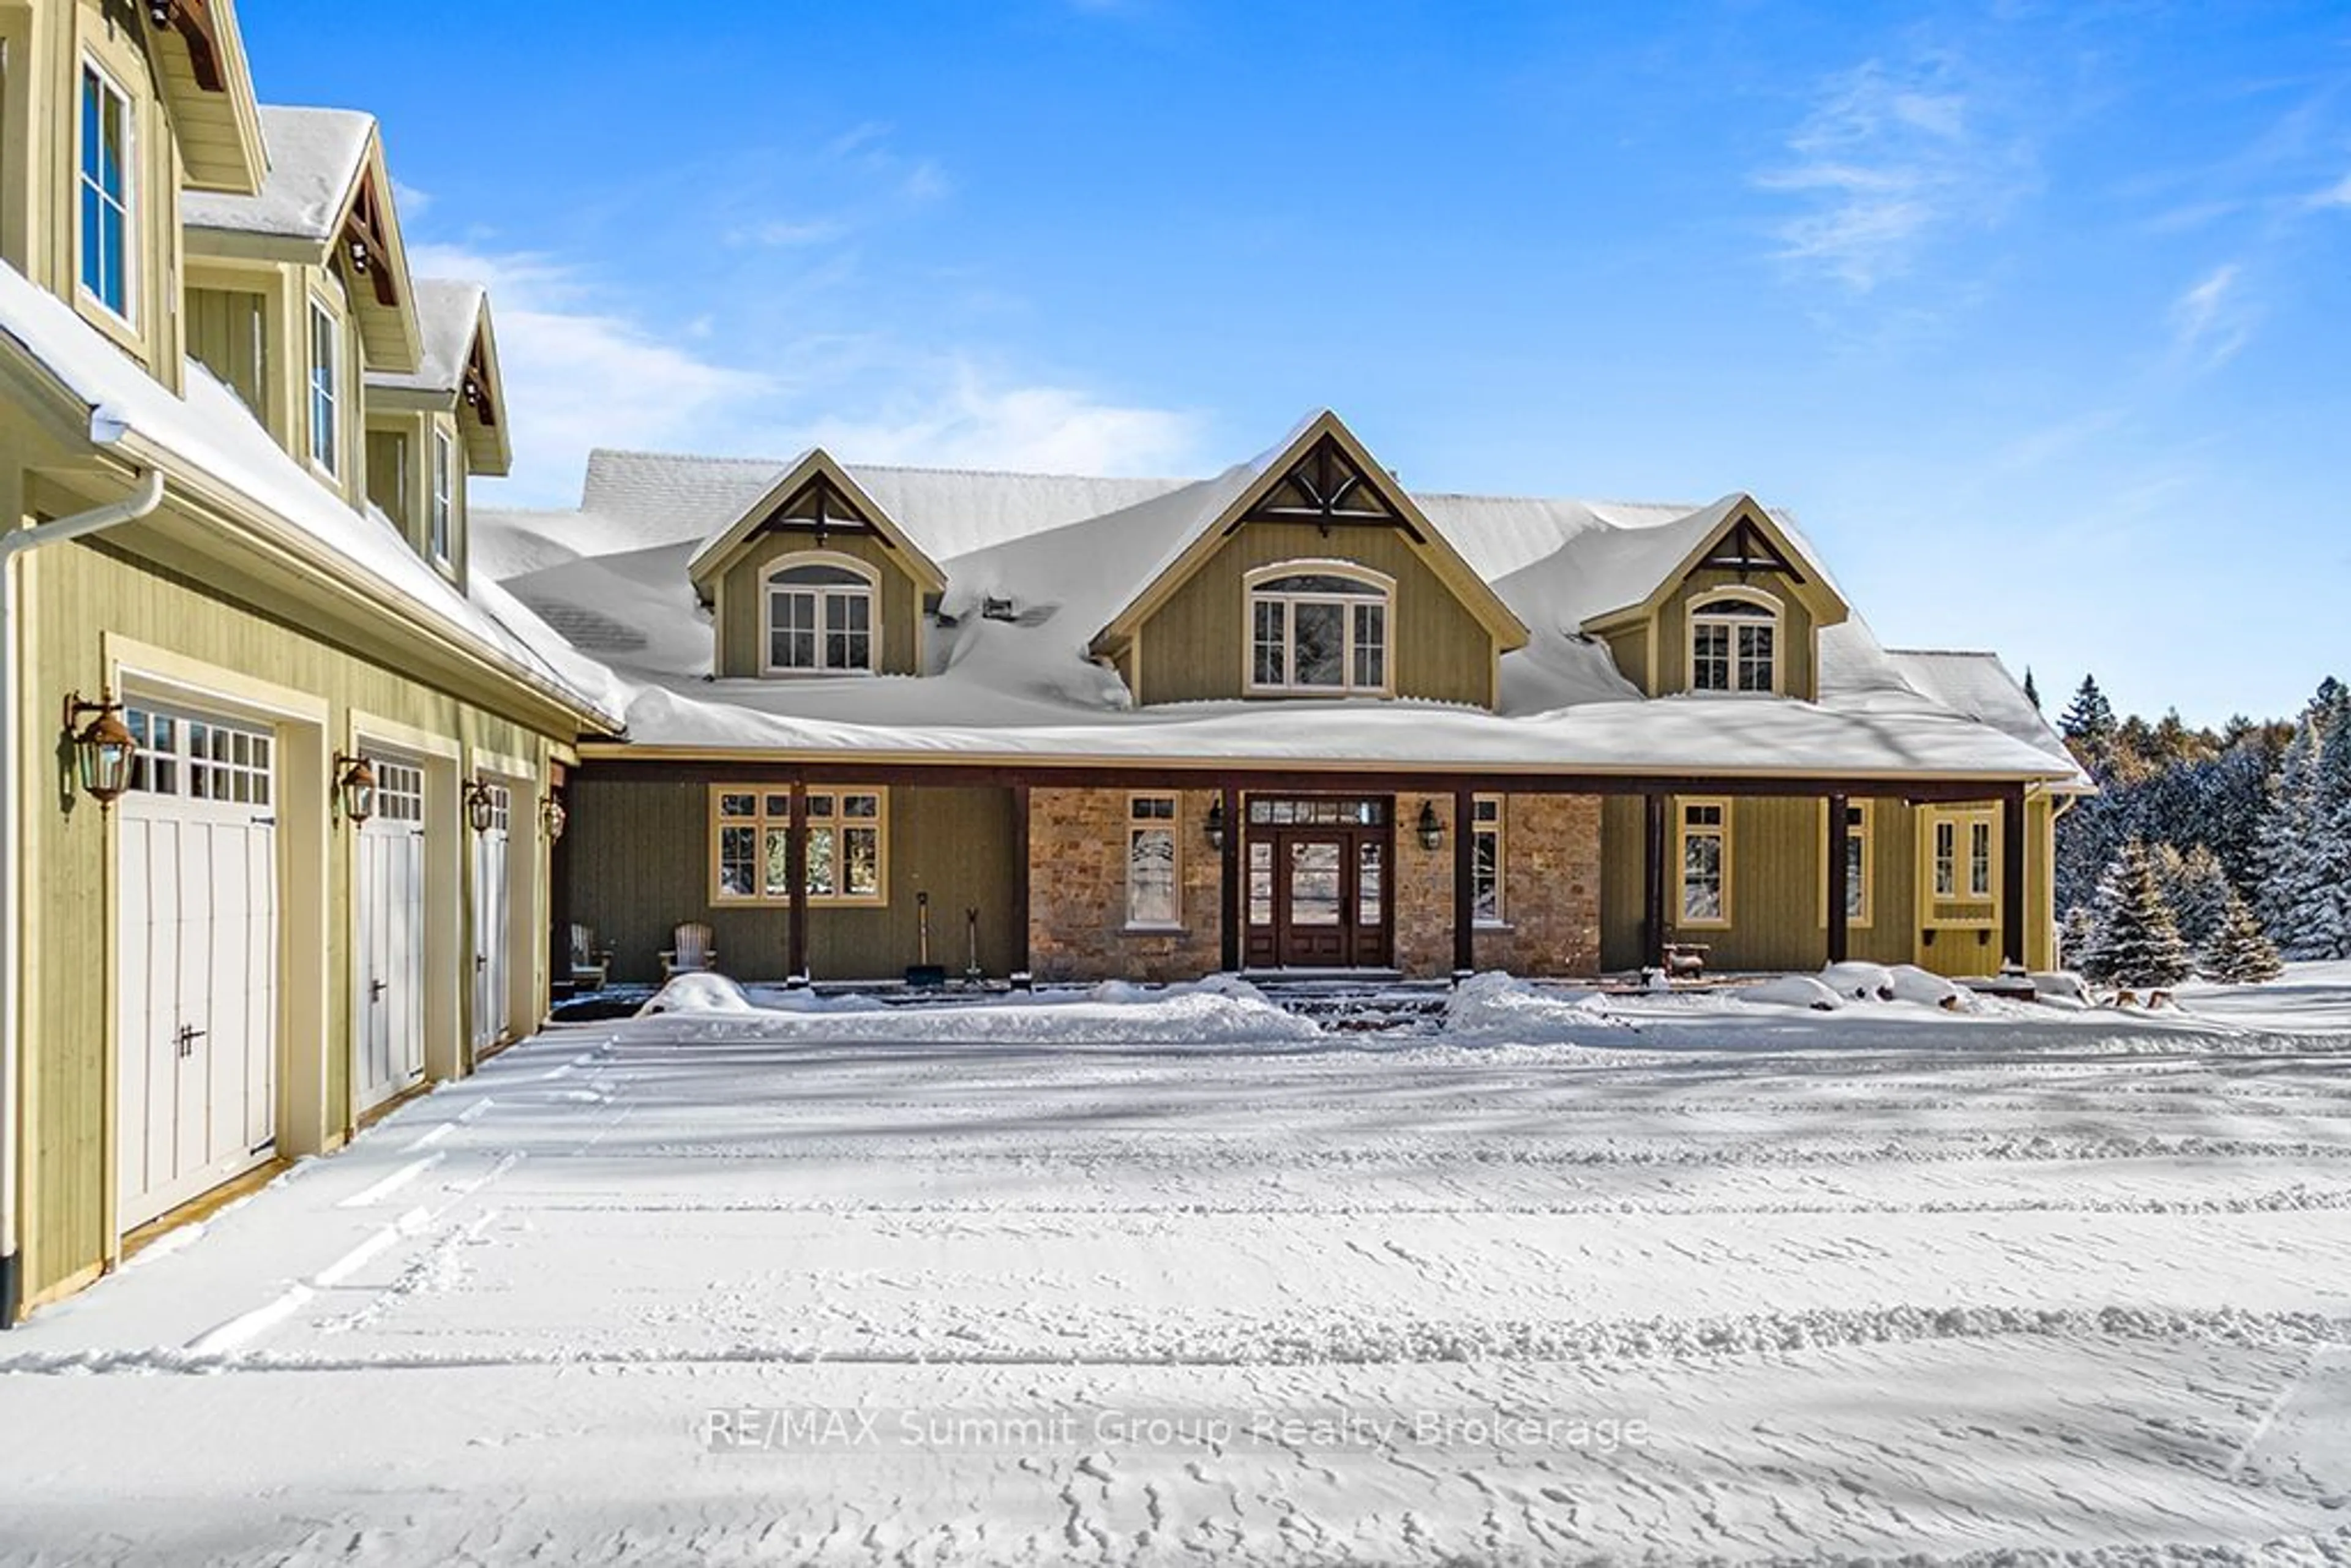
[
  {"x": 196, "y": 955},
  {"x": 388, "y": 993},
  {"x": 493, "y": 918}
]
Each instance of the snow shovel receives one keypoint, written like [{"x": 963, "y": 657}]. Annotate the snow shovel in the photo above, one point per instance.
[
  {"x": 972, "y": 973},
  {"x": 923, "y": 975}
]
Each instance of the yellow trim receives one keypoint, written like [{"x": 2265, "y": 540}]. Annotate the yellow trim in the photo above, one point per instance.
[
  {"x": 864, "y": 569},
  {"x": 1682, "y": 919},
  {"x": 762, "y": 822},
  {"x": 1327, "y": 566},
  {"x": 1960, "y": 819},
  {"x": 1827, "y": 607},
  {"x": 1174, "y": 823},
  {"x": 1761, "y": 600},
  {"x": 1475, "y": 593},
  {"x": 1866, "y": 832}
]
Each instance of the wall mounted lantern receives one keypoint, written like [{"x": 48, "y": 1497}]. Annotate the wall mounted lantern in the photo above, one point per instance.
[
  {"x": 1216, "y": 824},
  {"x": 481, "y": 807},
  {"x": 1432, "y": 830},
  {"x": 104, "y": 749},
  {"x": 552, "y": 816},
  {"x": 355, "y": 787}
]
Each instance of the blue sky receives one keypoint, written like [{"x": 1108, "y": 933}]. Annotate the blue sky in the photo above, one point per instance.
[{"x": 2035, "y": 316}]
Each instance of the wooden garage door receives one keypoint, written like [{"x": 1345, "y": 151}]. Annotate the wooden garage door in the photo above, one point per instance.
[
  {"x": 196, "y": 933},
  {"x": 388, "y": 979}
]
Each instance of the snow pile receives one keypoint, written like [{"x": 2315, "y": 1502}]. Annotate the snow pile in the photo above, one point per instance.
[
  {"x": 1219, "y": 1011},
  {"x": 1496, "y": 1006},
  {"x": 698, "y": 993},
  {"x": 1794, "y": 991}
]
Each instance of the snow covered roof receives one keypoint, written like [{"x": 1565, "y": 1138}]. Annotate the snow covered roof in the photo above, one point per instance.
[
  {"x": 1979, "y": 685},
  {"x": 448, "y": 312},
  {"x": 1069, "y": 551},
  {"x": 315, "y": 157},
  {"x": 208, "y": 441}
]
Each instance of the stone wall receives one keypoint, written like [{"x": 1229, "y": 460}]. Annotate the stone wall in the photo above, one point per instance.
[
  {"x": 1550, "y": 888},
  {"x": 1077, "y": 892},
  {"x": 1424, "y": 890}
]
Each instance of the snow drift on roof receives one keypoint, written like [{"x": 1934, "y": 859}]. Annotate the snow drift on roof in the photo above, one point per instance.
[
  {"x": 448, "y": 312},
  {"x": 314, "y": 160}
]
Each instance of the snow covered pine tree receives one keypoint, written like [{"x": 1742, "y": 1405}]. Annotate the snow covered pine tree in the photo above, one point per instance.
[
  {"x": 2306, "y": 835},
  {"x": 2137, "y": 941},
  {"x": 2240, "y": 952}
]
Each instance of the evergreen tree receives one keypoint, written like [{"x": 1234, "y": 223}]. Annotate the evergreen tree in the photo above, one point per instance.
[
  {"x": 2089, "y": 723},
  {"x": 2137, "y": 941},
  {"x": 2196, "y": 887},
  {"x": 2032, "y": 692},
  {"x": 2075, "y": 933},
  {"x": 2305, "y": 834},
  {"x": 2240, "y": 952}
]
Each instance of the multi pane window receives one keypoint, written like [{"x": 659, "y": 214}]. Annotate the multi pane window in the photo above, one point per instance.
[
  {"x": 1734, "y": 646},
  {"x": 1856, "y": 864},
  {"x": 1706, "y": 862},
  {"x": 399, "y": 790},
  {"x": 1962, "y": 856},
  {"x": 1152, "y": 892},
  {"x": 444, "y": 493},
  {"x": 751, "y": 846},
  {"x": 199, "y": 758},
  {"x": 1319, "y": 632},
  {"x": 105, "y": 188},
  {"x": 326, "y": 368},
  {"x": 820, "y": 617},
  {"x": 1485, "y": 860}
]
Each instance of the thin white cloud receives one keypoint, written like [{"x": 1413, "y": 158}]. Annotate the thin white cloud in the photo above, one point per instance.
[
  {"x": 579, "y": 374},
  {"x": 411, "y": 203},
  {"x": 2335, "y": 195},
  {"x": 2212, "y": 319},
  {"x": 785, "y": 233},
  {"x": 1889, "y": 157},
  {"x": 971, "y": 421}
]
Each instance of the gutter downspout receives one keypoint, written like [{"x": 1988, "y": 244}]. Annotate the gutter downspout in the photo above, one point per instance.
[{"x": 105, "y": 430}]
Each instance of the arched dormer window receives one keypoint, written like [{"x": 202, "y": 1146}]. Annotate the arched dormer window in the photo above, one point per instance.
[
  {"x": 1318, "y": 627},
  {"x": 817, "y": 615},
  {"x": 1734, "y": 641}
]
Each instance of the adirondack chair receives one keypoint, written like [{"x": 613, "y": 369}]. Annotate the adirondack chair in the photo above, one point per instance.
[
  {"x": 591, "y": 966},
  {"x": 692, "y": 953}
]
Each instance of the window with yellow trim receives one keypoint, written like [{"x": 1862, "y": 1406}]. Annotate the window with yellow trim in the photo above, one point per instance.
[
  {"x": 750, "y": 845},
  {"x": 1154, "y": 885},
  {"x": 1703, "y": 852}
]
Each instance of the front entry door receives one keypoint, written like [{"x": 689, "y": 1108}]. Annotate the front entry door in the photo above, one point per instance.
[{"x": 1318, "y": 895}]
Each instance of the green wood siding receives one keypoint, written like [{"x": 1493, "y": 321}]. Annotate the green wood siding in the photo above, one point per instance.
[
  {"x": 1630, "y": 649},
  {"x": 898, "y": 615},
  {"x": 76, "y": 593},
  {"x": 1797, "y": 642},
  {"x": 389, "y": 479},
  {"x": 1194, "y": 645},
  {"x": 226, "y": 332},
  {"x": 640, "y": 866}
]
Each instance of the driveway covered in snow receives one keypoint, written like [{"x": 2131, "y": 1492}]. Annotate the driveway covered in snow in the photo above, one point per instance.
[{"x": 1156, "y": 1280}]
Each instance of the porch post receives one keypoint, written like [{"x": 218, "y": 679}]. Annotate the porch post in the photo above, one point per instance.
[
  {"x": 796, "y": 870},
  {"x": 1230, "y": 891},
  {"x": 1465, "y": 883},
  {"x": 2012, "y": 874},
  {"x": 1020, "y": 880},
  {"x": 1840, "y": 842},
  {"x": 1653, "y": 879}
]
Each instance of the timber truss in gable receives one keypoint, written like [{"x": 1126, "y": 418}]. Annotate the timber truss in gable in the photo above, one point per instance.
[{"x": 1327, "y": 488}]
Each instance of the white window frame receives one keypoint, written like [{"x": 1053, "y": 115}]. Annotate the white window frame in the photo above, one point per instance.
[
  {"x": 440, "y": 514},
  {"x": 1684, "y": 829},
  {"x": 126, "y": 208},
  {"x": 323, "y": 389},
  {"x": 1863, "y": 888},
  {"x": 821, "y": 595},
  {"x": 1159, "y": 813},
  {"x": 1379, "y": 587},
  {"x": 1494, "y": 827},
  {"x": 829, "y": 817},
  {"x": 1700, "y": 600}
]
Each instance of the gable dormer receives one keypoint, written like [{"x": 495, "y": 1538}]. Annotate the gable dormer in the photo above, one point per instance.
[
  {"x": 431, "y": 430},
  {"x": 814, "y": 579},
  {"x": 1736, "y": 609},
  {"x": 1319, "y": 577}
]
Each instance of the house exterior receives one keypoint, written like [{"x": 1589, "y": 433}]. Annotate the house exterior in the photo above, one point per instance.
[
  {"x": 1293, "y": 717},
  {"x": 234, "y": 437}
]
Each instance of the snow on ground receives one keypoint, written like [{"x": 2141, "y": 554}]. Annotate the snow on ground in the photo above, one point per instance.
[{"x": 1049, "y": 1279}]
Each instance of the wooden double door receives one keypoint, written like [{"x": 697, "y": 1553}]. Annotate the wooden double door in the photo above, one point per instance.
[{"x": 1320, "y": 890}]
